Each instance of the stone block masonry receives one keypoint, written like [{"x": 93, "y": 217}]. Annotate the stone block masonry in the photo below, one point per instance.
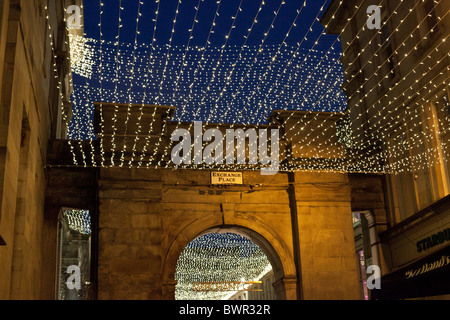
[{"x": 146, "y": 217}]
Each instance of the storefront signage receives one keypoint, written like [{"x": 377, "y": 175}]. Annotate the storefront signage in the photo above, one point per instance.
[
  {"x": 433, "y": 240},
  {"x": 426, "y": 267},
  {"x": 429, "y": 276},
  {"x": 226, "y": 178}
]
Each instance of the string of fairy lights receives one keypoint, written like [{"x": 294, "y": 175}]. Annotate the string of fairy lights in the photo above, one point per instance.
[
  {"x": 308, "y": 142},
  {"x": 79, "y": 221},
  {"x": 246, "y": 55},
  {"x": 214, "y": 78},
  {"x": 391, "y": 123},
  {"x": 218, "y": 257},
  {"x": 412, "y": 72}
]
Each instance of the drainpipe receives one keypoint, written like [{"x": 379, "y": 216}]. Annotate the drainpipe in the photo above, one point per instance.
[{"x": 295, "y": 233}]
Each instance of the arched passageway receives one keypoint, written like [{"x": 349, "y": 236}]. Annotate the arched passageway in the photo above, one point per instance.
[
  {"x": 223, "y": 266},
  {"x": 246, "y": 256}
]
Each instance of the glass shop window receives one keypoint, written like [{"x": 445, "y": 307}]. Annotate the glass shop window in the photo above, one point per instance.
[
  {"x": 363, "y": 250},
  {"x": 362, "y": 274},
  {"x": 356, "y": 217},
  {"x": 74, "y": 250},
  {"x": 431, "y": 17}
]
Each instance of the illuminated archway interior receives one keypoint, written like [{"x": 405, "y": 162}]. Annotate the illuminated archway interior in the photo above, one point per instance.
[{"x": 219, "y": 258}]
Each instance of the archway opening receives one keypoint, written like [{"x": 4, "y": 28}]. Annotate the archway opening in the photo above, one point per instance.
[{"x": 224, "y": 264}]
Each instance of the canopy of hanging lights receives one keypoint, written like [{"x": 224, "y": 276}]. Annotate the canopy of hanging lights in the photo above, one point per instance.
[
  {"x": 236, "y": 63},
  {"x": 218, "y": 257}
]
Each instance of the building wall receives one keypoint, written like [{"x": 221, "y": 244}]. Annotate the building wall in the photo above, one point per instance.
[
  {"x": 146, "y": 217},
  {"x": 29, "y": 104},
  {"x": 267, "y": 291}
]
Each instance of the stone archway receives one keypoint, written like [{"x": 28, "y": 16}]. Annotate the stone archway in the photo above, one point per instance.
[{"x": 275, "y": 249}]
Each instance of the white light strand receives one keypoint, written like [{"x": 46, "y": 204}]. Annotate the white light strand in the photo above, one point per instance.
[
  {"x": 64, "y": 116},
  {"x": 410, "y": 73},
  {"x": 116, "y": 107},
  {"x": 160, "y": 90},
  {"x": 141, "y": 111},
  {"x": 378, "y": 132},
  {"x": 379, "y": 68}
]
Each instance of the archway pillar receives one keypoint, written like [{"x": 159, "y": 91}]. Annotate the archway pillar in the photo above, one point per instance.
[
  {"x": 168, "y": 290},
  {"x": 286, "y": 288}
]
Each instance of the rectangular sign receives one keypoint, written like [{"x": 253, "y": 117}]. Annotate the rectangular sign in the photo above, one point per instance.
[
  {"x": 254, "y": 286},
  {"x": 226, "y": 178}
]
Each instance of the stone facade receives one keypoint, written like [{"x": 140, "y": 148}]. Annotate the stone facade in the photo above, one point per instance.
[
  {"x": 30, "y": 114},
  {"x": 146, "y": 217}
]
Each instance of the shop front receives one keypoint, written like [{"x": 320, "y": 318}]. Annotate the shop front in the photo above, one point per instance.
[
  {"x": 418, "y": 251},
  {"x": 427, "y": 277}
]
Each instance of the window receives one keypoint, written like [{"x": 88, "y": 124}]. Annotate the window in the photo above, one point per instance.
[
  {"x": 74, "y": 261},
  {"x": 442, "y": 124},
  {"x": 363, "y": 249},
  {"x": 362, "y": 274},
  {"x": 356, "y": 217}
]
